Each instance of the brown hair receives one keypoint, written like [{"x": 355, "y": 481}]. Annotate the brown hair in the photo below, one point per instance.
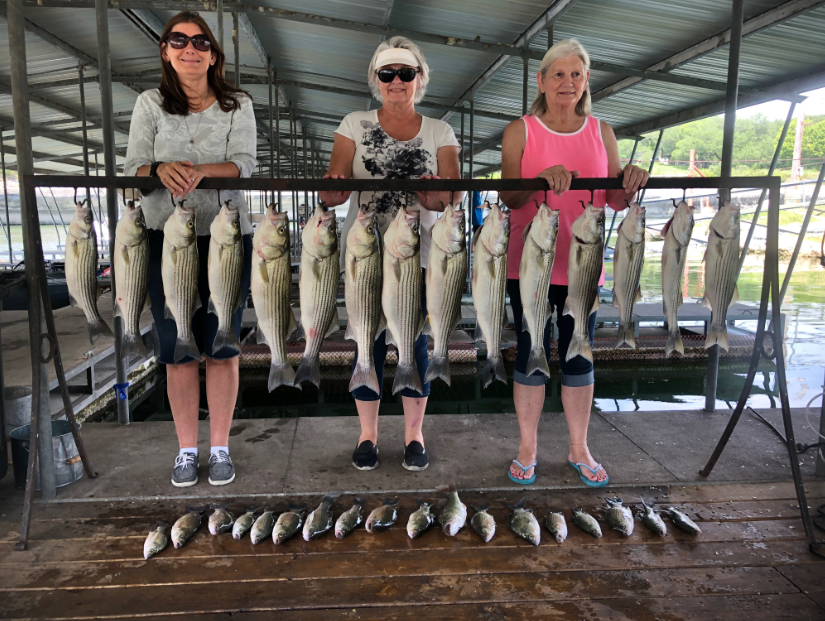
[{"x": 174, "y": 98}]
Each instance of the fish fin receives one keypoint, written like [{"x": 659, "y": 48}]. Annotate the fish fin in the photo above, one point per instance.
[
  {"x": 423, "y": 503},
  {"x": 538, "y": 362},
  {"x": 443, "y": 266},
  {"x": 735, "y": 297},
  {"x": 292, "y": 326},
  {"x": 407, "y": 376},
  {"x": 173, "y": 255},
  {"x": 638, "y": 294},
  {"x": 201, "y": 509},
  {"x": 706, "y": 303},
  {"x": 116, "y": 312},
  {"x": 390, "y": 339},
  {"x": 396, "y": 269},
  {"x": 494, "y": 370},
  {"x": 427, "y": 329},
  {"x": 364, "y": 376},
  {"x": 625, "y": 335},
  {"x": 133, "y": 345},
  {"x": 309, "y": 370},
  {"x": 98, "y": 328},
  {"x": 391, "y": 501},
  {"x": 184, "y": 348},
  {"x": 331, "y": 498},
  {"x": 332, "y": 328},
  {"x": 124, "y": 254},
  {"x": 579, "y": 346},
  {"x": 260, "y": 337},
  {"x": 382, "y": 325},
  {"x": 665, "y": 228},
  {"x": 596, "y": 304},
  {"x": 72, "y": 301},
  {"x": 198, "y": 303},
  {"x": 674, "y": 341},
  {"x": 567, "y": 310},
  {"x": 359, "y": 500},
  {"x": 147, "y": 303},
  {"x": 167, "y": 312},
  {"x": 353, "y": 268},
  {"x": 281, "y": 374},
  {"x": 484, "y": 506},
  {"x": 439, "y": 367},
  {"x": 705, "y": 254},
  {"x": 263, "y": 271},
  {"x": 349, "y": 335},
  {"x": 717, "y": 335},
  {"x": 226, "y": 338},
  {"x": 300, "y": 334},
  {"x": 491, "y": 266},
  {"x": 422, "y": 321},
  {"x": 210, "y": 306},
  {"x": 476, "y": 235},
  {"x": 316, "y": 268},
  {"x": 478, "y": 333},
  {"x": 526, "y": 231},
  {"x": 525, "y": 327}
]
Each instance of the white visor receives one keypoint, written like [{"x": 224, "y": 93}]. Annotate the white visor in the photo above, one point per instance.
[{"x": 396, "y": 56}]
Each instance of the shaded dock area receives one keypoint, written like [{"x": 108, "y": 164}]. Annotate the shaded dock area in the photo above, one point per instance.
[{"x": 751, "y": 561}]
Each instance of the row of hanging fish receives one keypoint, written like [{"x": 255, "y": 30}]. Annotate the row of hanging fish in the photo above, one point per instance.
[{"x": 451, "y": 519}]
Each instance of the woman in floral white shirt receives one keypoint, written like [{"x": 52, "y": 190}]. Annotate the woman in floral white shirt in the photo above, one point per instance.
[{"x": 196, "y": 125}]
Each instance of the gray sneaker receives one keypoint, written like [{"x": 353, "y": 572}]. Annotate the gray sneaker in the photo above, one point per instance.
[
  {"x": 221, "y": 470},
  {"x": 185, "y": 473}
]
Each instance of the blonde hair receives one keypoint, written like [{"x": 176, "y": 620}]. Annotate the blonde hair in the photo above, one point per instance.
[
  {"x": 563, "y": 49},
  {"x": 422, "y": 78}
]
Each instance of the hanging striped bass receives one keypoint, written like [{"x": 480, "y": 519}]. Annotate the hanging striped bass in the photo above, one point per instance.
[
  {"x": 271, "y": 282},
  {"x": 318, "y": 289},
  {"x": 179, "y": 269},
  {"x": 584, "y": 269},
  {"x": 401, "y": 295},
  {"x": 534, "y": 282},
  {"x": 721, "y": 266},
  {"x": 131, "y": 276},
  {"x": 81, "y": 269},
  {"x": 225, "y": 269},
  {"x": 628, "y": 259},
  {"x": 446, "y": 279},
  {"x": 677, "y": 234}
]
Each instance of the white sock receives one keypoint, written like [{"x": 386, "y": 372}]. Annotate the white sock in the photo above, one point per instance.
[
  {"x": 215, "y": 449},
  {"x": 193, "y": 449}
]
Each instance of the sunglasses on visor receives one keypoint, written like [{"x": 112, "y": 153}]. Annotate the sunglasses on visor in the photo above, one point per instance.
[
  {"x": 179, "y": 41},
  {"x": 407, "y": 74}
]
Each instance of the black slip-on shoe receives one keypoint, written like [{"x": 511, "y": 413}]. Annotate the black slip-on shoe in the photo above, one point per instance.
[
  {"x": 415, "y": 457},
  {"x": 365, "y": 456}
]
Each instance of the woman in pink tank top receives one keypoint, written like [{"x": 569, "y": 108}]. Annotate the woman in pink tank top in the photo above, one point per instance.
[{"x": 557, "y": 141}]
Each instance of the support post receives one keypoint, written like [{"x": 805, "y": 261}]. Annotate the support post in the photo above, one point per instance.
[
  {"x": 652, "y": 161},
  {"x": 463, "y": 147},
  {"x": 472, "y": 142},
  {"x": 306, "y": 168},
  {"x": 6, "y": 195},
  {"x": 108, "y": 127},
  {"x": 525, "y": 80},
  {"x": 219, "y": 9},
  {"x": 271, "y": 127},
  {"x": 41, "y": 431},
  {"x": 771, "y": 170},
  {"x": 277, "y": 135},
  {"x": 737, "y": 16},
  {"x": 236, "y": 44},
  {"x": 80, "y": 71},
  {"x": 550, "y": 37}
]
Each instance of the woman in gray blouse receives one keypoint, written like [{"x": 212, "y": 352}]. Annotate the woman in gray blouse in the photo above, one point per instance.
[{"x": 196, "y": 125}]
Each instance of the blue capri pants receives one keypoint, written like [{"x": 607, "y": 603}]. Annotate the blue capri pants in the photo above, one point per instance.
[
  {"x": 575, "y": 373},
  {"x": 379, "y": 354},
  {"x": 204, "y": 324}
]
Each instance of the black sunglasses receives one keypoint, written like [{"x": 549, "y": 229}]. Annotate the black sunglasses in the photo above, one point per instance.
[
  {"x": 179, "y": 41},
  {"x": 407, "y": 74}
]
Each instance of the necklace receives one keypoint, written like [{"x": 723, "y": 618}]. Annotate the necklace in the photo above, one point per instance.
[{"x": 191, "y": 139}]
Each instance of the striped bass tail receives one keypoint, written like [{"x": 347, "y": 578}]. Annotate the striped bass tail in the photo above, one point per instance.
[
  {"x": 133, "y": 345},
  {"x": 184, "y": 348},
  {"x": 364, "y": 375},
  {"x": 439, "y": 367},
  {"x": 98, "y": 328},
  {"x": 717, "y": 335},
  {"x": 494, "y": 370},
  {"x": 674, "y": 341},
  {"x": 309, "y": 371},
  {"x": 406, "y": 376},
  {"x": 226, "y": 338},
  {"x": 538, "y": 361},
  {"x": 625, "y": 335},
  {"x": 281, "y": 374},
  {"x": 579, "y": 346}
]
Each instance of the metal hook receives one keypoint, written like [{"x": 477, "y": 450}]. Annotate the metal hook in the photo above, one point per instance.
[
  {"x": 627, "y": 202},
  {"x": 583, "y": 205},
  {"x": 172, "y": 198},
  {"x": 219, "y": 198},
  {"x": 545, "y": 197},
  {"x": 591, "y": 197},
  {"x": 452, "y": 197},
  {"x": 673, "y": 200},
  {"x": 536, "y": 201},
  {"x": 684, "y": 193}
]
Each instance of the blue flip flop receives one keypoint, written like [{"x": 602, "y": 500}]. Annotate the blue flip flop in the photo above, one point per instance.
[
  {"x": 587, "y": 481},
  {"x": 529, "y": 481}
]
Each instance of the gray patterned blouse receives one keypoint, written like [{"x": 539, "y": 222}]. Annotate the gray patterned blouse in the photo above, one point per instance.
[{"x": 209, "y": 137}]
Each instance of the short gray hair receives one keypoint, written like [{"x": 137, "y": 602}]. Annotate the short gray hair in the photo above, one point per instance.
[
  {"x": 423, "y": 76},
  {"x": 563, "y": 49}
]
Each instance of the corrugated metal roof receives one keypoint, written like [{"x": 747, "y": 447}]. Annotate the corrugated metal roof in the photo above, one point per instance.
[{"x": 630, "y": 33}]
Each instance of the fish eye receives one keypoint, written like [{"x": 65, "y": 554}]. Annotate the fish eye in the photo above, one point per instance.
[
  {"x": 88, "y": 219},
  {"x": 369, "y": 228},
  {"x": 190, "y": 224},
  {"x": 281, "y": 229}
]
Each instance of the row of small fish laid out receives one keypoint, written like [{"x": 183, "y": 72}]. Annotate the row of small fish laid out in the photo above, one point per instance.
[
  {"x": 179, "y": 272},
  {"x": 452, "y": 517}
]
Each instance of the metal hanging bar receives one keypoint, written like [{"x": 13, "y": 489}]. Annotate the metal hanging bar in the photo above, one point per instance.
[
  {"x": 80, "y": 71},
  {"x": 236, "y": 44},
  {"x": 277, "y": 136},
  {"x": 613, "y": 220},
  {"x": 771, "y": 169},
  {"x": 525, "y": 83},
  {"x": 472, "y": 141},
  {"x": 6, "y": 196},
  {"x": 737, "y": 16},
  {"x": 463, "y": 146},
  {"x": 219, "y": 9},
  {"x": 108, "y": 126},
  {"x": 271, "y": 127},
  {"x": 652, "y": 163}
]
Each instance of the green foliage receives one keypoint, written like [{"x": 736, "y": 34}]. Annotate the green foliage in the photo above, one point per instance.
[{"x": 813, "y": 141}]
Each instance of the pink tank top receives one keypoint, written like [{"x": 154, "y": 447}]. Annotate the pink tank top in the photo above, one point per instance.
[{"x": 583, "y": 151}]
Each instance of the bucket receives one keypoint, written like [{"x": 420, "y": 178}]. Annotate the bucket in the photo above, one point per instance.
[
  {"x": 18, "y": 402},
  {"x": 68, "y": 467}
]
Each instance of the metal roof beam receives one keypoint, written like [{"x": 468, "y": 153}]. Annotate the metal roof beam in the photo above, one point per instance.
[{"x": 751, "y": 26}]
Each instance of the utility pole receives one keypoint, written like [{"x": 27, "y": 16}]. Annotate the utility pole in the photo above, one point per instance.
[{"x": 797, "y": 146}]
